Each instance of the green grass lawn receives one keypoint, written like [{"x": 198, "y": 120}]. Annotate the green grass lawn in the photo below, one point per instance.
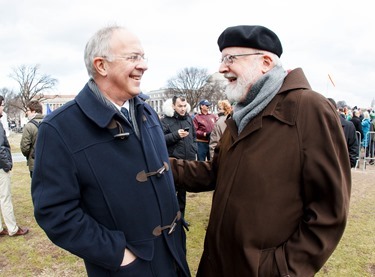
[{"x": 35, "y": 255}]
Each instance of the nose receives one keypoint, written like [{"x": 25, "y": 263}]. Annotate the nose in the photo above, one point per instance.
[
  {"x": 142, "y": 65},
  {"x": 223, "y": 68}
]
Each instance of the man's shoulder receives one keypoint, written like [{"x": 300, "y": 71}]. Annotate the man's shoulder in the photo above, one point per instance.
[
  {"x": 347, "y": 124},
  {"x": 64, "y": 110},
  {"x": 166, "y": 118},
  {"x": 31, "y": 124}
]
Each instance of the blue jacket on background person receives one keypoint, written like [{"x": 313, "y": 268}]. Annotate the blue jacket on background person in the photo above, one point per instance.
[
  {"x": 96, "y": 179},
  {"x": 366, "y": 123}
]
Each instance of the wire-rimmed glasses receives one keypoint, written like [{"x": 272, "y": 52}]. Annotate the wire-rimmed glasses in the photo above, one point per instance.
[
  {"x": 133, "y": 57},
  {"x": 229, "y": 59}
]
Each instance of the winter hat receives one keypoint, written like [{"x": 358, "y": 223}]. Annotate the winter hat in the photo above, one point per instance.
[{"x": 255, "y": 36}]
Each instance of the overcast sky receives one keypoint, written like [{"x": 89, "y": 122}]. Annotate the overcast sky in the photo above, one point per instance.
[{"x": 322, "y": 37}]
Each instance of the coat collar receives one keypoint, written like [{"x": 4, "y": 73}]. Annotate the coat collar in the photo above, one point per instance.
[
  {"x": 97, "y": 111},
  {"x": 285, "y": 111}
]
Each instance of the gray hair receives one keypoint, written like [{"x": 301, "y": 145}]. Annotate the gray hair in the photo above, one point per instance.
[
  {"x": 275, "y": 58},
  {"x": 98, "y": 46}
]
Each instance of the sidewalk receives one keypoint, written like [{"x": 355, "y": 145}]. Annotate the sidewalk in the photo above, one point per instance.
[{"x": 18, "y": 157}]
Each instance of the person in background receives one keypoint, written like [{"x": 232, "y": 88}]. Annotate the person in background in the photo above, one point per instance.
[
  {"x": 180, "y": 136},
  {"x": 34, "y": 112},
  {"x": 372, "y": 141},
  {"x": 349, "y": 115},
  {"x": 357, "y": 122},
  {"x": 225, "y": 109},
  {"x": 372, "y": 116},
  {"x": 102, "y": 186},
  {"x": 204, "y": 123},
  {"x": 281, "y": 170},
  {"x": 349, "y": 133},
  {"x": 5, "y": 122},
  {"x": 366, "y": 124},
  {"x": 6, "y": 205}
]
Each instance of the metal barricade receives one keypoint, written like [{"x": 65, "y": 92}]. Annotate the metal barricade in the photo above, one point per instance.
[
  {"x": 368, "y": 145},
  {"x": 359, "y": 139}
]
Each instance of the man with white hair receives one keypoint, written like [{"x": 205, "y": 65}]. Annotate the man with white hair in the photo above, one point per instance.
[
  {"x": 280, "y": 172},
  {"x": 102, "y": 187}
]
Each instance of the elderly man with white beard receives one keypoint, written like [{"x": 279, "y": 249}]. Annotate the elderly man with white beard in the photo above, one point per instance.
[{"x": 280, "y": 172}]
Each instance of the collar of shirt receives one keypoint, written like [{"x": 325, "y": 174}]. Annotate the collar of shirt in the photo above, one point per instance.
[{"x": 126, "y": 106}]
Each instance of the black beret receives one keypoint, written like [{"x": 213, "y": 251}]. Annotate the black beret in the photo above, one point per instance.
[{"x": 255, "y": 36}]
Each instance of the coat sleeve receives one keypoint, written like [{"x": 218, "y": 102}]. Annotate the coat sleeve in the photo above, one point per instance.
[
  {"x": 26, "y": 140},
  {"x": 353, "y": 145},
  {"x": 6, "y": 162},
  {"x": 326, "y": 185},
  {"x": 171, "y": 136},
  {"x": 193, "y": 176},
  {"x": 58, "y": 209},
  {"x": 214, "y": 138}
]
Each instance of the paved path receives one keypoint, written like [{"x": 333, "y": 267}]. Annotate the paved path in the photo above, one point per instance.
[{"x": 18, "y": 157}]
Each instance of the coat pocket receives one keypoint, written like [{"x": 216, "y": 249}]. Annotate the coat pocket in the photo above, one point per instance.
[
  {"x": 273, "y": 263},
  {"x": 142, "y": 249},
  {"x": 267, "y": 263}
]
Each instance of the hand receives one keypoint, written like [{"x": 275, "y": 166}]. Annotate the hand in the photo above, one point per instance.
[
  {"x": 182, "y": 133},
  {"x": 129, "y": 257}
]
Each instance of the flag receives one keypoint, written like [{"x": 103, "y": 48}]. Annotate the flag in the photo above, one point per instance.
[
  {"x": 48, "y": 109},
  {"x": 329, "y": 76}
]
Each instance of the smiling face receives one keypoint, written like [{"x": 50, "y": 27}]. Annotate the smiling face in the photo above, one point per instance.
[
  {"x": 119, "y": 77},
  {"x": 242, "y": 73}
]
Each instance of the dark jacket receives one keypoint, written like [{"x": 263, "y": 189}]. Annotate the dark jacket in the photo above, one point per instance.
[
  {"x": 282, "y": 188},
  {"x": 183, "y": 148},
  {"x": 351, "y": 140},
  {"x": 88, "y": 195},
  {"x": 357, "y": 124},
  {"x": 6, "y": 162}
]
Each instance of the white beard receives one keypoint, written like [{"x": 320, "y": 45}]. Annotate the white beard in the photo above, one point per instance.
[{"x": 237, "y": 93}]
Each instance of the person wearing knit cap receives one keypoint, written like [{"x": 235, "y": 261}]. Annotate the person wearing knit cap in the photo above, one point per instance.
[{"x": 281, "y": 170}]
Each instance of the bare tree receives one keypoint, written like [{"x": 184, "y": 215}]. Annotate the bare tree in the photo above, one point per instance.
[
  {"x": 32, "y": 85},
  {"x": 195, "y": 84},
  {"x": 11, "y": 105}
]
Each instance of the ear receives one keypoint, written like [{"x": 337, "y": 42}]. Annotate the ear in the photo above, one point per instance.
[
  {"x": 267, "y": 64},
  {"x": 100, "y": 66}
]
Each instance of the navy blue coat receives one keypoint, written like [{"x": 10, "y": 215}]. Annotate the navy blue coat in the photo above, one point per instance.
[{"x": 87, "y": 198}]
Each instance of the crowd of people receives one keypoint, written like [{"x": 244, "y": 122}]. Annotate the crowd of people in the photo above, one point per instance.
[
  {"x": 364, "y": 123},
  {"x": 109, "y": 177}
]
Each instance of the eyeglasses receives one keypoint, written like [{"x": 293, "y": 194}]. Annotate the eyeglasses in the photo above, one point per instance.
[
  {"x": 131, "y": 58},
  {"x": 229, "y": 59}
]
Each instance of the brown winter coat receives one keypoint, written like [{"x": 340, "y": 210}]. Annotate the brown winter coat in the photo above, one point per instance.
[{"x": 282, "y": 188}]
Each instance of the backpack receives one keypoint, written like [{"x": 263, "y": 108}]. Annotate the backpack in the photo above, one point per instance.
[{"x": 36, "y": 123}]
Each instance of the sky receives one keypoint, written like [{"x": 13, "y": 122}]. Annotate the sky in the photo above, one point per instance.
[{"x": 325, "y": 38}]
